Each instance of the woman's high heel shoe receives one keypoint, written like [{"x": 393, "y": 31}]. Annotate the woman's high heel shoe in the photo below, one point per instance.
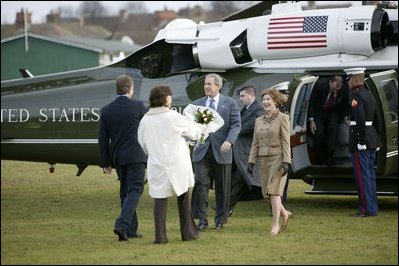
[{"x": 285, "y": 221}]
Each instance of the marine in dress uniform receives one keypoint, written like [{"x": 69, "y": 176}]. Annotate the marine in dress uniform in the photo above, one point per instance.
[{"x": 363, "y": 141}]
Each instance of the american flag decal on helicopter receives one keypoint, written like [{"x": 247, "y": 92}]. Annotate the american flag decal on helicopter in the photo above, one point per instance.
[{"x": 297, "y": 32}]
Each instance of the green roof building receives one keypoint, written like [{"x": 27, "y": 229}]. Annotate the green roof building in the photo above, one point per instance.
[{"x": 44, "y": 54}]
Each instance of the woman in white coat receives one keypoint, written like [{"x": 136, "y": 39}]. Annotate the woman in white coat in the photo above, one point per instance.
[{"x": 169, "y": 170}]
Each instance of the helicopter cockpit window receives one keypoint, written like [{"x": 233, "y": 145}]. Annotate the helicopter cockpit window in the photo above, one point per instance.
[
  {"x": 151, "y": 66},
  {"x": 391, "y": 93}
]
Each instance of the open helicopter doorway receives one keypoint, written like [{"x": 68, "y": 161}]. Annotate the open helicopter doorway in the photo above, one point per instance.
[
  {"x": 332, "y": 126},
  {"x": 303, "y": 143},
  {"x": 302, "y": 88}
]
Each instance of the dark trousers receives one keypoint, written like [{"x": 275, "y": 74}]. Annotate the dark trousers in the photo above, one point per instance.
[
  {"x": 131, "y": 178},
  {"x": 188, "y": 229},
  {"x": 222, "y": 175},
  {"x": 239, "y": 187},
  {"x": 326, "y": 135},
  {"x": 363, "y": 165}
]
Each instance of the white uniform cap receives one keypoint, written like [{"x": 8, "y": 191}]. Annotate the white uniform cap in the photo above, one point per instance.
[
  {"x": 283, "y": 86},
  {"x": 354, "y": 71}
]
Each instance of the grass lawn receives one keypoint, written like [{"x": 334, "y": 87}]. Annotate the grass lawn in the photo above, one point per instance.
[{"x": 60, "y": 218}]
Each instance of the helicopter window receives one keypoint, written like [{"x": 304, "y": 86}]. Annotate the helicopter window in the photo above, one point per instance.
[
  {"x": 391, "y": 93},
  {"x": 300, "y": 112},
  {"x": 239, "y": 49},
  {"x": 151, "y": 65}
]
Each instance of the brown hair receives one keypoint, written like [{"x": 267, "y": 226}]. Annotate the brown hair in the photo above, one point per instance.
[
  {"x": 158, "y": 95},
  {"x": 357, "y": 80},
  {"x": 123, "y": 84},
  {"x": 273, "y": 93}
]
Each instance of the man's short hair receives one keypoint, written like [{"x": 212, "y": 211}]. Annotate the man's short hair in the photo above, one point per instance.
[
  {"x": 248, "y": 89},
  {"x": 357, "y": 80},
  {"x": 123, "y": 84},
  {"x": 216, "y": 79}
]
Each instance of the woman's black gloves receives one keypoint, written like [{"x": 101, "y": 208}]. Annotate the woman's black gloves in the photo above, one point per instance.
[
  {"x": 250, "y": 168},
  {"x": 284, "y": 168}
]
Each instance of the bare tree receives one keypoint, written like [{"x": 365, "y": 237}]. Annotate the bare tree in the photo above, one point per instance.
[
  {"x": 92, "y": 9},
  {"x": 221, "y": 9},
  {"x": 66, "y": 11},
  {"x": 136, "y": 7}
]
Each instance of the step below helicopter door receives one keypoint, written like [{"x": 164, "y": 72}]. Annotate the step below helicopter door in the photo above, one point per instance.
[{"x": 298, "y": 121}]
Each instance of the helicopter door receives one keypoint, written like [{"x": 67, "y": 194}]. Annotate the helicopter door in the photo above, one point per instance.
[
  {"x": 384, "y": 86},
  {"x": 298, "y": 116}
]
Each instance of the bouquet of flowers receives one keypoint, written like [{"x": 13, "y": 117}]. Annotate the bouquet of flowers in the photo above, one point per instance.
[{"x": 205, "y": 116}]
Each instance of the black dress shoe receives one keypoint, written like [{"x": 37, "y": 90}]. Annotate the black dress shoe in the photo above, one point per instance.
[
  {"x": 202, "y": 225},
  {"x": 121, "y": 234},
  {"x": 161, "y": 241},
  {"x": 218, "y": 226},
  {"x": 137, "y": 235}
]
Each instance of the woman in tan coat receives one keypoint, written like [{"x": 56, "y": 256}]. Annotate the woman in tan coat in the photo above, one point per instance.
[{"x": 271, "y": 151}]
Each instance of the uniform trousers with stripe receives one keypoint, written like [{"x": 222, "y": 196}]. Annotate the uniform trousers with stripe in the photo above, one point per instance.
[{"x": 363, "y": 165}]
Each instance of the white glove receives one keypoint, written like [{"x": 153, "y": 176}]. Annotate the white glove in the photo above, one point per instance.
[{"x": 361, "y": 147}]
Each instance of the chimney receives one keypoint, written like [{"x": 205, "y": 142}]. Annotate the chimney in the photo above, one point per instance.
[
  {"x": 123, "y": 13},
  {"x": 19, "y": 21},
  {"x": 53, "y": 17}
]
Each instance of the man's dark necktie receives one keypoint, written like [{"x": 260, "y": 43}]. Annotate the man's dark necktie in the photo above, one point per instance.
[
  {"x": 330, "y": 102},
  {"x": 243, "y": 110}
]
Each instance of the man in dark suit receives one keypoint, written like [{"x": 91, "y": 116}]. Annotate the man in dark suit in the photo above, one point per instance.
[
  {"x": 215, "y": 155},
  {"x": 119, "y": 148},
  {"x": 327, "y": 107},
  {"x": 363, "y": 141},
  {"x": 243, "y": 183}
]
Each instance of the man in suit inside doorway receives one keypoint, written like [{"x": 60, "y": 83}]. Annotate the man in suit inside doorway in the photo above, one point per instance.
[{"x": 328, "y": 106}]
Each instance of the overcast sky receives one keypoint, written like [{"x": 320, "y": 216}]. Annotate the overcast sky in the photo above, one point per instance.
[{"x": 40, "y": 9}]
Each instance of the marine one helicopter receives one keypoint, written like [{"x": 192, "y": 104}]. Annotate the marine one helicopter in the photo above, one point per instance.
[{"x": 54, "y": 118}]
